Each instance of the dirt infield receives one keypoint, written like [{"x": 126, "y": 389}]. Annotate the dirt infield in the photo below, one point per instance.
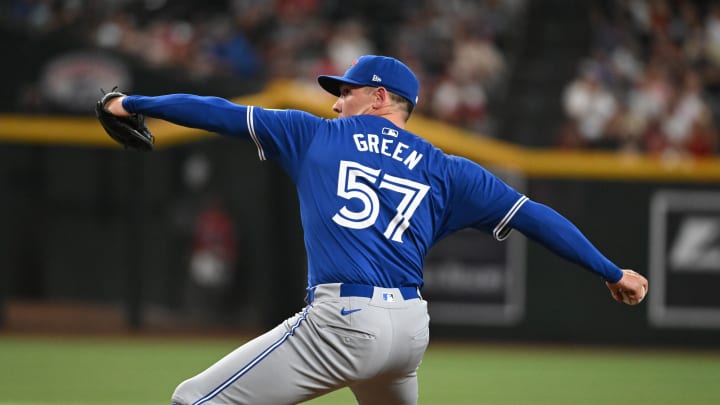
[
  {"x": 76, "y": 318},
  {"x": 62, "y": 317}
]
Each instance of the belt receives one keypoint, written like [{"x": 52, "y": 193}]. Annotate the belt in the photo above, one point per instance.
[{"x": 363, "y": 290}]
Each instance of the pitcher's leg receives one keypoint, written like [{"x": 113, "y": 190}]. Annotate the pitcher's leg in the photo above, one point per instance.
[
  {"x": 398, "y": 385},
  {"x": 265, "y": 370},
  {"x": 397, "y": 391}
]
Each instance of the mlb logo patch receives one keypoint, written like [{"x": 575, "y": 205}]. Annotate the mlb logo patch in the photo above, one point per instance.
[
  {"x": 390, "y": 132},
  {"x": 389, "y": 297}
]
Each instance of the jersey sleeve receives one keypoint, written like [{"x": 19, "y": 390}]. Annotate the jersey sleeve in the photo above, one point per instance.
[
  {"x": 489, "y": 204},
  {"x": 212, "y": 114},
  {"x": 481, "y": 200},
  {"x": 547, "y": 227},
  {"x": 283, "y": 135}
]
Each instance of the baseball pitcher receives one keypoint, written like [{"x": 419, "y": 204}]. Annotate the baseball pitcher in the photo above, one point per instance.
[{"x": 374, "y": 198}]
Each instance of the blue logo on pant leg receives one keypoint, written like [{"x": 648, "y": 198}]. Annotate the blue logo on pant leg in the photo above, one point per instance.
[{"x": 344, "y": 311}]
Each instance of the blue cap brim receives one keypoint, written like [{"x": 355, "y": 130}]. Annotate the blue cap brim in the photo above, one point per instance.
[{"x": 332, "y": 84}]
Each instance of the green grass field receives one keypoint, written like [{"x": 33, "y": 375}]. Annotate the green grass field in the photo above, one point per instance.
[{"x": 140, "y": 371}]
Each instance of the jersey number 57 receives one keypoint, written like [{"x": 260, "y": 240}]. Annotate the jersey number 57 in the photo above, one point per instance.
[{"x": 350, "y": 186}]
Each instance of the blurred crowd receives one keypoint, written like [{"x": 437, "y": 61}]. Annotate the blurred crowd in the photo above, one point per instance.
[
  {"x": 457, "y": 47},
  {"x": 651, "y": 82}
]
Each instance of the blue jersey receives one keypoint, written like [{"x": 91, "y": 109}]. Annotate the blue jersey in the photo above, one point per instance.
[{"x": 374, "y": 198}]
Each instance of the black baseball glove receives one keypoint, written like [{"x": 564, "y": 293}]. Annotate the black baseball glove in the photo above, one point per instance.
[{"x": 130, "y": 132}]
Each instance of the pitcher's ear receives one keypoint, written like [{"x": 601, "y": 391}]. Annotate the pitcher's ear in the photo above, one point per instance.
[{"x": 381, "y": 96}]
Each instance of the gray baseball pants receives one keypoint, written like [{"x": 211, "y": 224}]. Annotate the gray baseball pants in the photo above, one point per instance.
[{"x": 370, "y": 339}]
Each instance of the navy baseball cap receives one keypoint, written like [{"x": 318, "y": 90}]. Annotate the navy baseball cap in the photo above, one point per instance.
[{"x": 376, "y": 71}]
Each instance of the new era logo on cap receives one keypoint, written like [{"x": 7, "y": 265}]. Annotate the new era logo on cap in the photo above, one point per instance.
[{"x": 375, "y": 71}]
